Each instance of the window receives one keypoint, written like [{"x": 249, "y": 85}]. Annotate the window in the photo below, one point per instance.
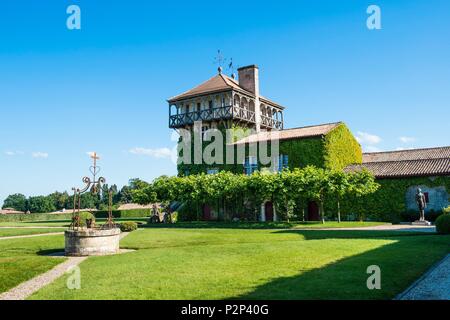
[
  {"x": 283, "y": 162},
  {"x": 427, "y": 197},
  {"x": 213, "y": 171},
  {"x": 210, "y": 104},
  {"x": 199, "y": 106},
  {"x": 187, "y": 108},
  {"x": 250, "y": 165},
  {"x": 186, "y": 172}
]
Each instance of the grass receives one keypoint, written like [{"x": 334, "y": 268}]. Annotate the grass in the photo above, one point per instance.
[
  {"x": 9, "y": 232},
  {"x": 269, "y": 225},
  {"x": 23, "y": 259},
  {"x": 225, "y": 263},
  {"x": 60, "y": 223}
]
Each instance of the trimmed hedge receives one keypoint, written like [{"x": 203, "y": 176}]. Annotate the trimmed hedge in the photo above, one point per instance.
[
  {"x": 34, "y": 217},
  {"x": 135, "y": 213},
  {"x": 128, "y": 226},
  {"x": 443, "y": 224}
]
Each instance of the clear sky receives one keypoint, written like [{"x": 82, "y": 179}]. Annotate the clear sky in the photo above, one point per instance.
[{"x": 103, "y": 88}]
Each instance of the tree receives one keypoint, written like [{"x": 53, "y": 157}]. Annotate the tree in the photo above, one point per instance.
[
  {"x": 60, "y": 200},
  {"x": 362, "y": 183},
  {"x": 317, "y": 186},
  {"x": 41, "y": 204},
  {"x": 17, "y": 202},
  {"x": 340, "y": 186}
]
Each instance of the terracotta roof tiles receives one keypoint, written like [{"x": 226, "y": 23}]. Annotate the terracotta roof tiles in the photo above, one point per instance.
[
  {"x": 407, "y": 163},
  {"x": 295, "y": 133}
]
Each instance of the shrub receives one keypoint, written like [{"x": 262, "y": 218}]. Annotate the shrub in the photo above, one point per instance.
[
  {"x": 128, "y": 226},
  {"x": 443, "y": 224},
  {"x": 84, "y": 216},
  {"x": 174, "y": 217},
  {"x": 446, "y": 210}
]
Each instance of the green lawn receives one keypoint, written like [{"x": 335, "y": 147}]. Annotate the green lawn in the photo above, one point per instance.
[
  {"x": 269, "y": 225},
  {"x": 60, "y": 223},
  {"x": 9, "y": 232},
  {"x": 23, "y": 259},
  {"x": 225, "y": 263}
]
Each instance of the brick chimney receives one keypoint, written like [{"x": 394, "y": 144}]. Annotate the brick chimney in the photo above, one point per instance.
[{"x": 249, "y": 78}]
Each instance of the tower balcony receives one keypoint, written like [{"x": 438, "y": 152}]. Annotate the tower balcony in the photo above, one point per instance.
[
  {"x": 271, "y": 123},
  {"x": 212, "y": 114}
]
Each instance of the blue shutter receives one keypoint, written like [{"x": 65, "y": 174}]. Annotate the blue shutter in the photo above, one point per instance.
[{"x": 285, "y": 161}]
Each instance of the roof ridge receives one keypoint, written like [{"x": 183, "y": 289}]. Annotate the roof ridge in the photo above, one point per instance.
[
  {"x": 192, "y": 89},
  {"x": 406, "y": 150},
  {"x": 317, "y": 125},
  {"x": 405, "y": 160}
]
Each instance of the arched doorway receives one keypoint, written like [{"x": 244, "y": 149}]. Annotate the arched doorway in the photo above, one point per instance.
[
  {"x": 207, "y": 216},
  {"x": 313, "y": 211},
  {"x": 268, "y": 209}
]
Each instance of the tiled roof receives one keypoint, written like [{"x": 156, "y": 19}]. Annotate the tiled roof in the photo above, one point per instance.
[
  {"x": 414, "y": 154},
  {"x": 406, "y": 168},
  {"x": 295, "y": 133},
  {"x": 407, "y": 163},
  {"x": 217, "y": 83}
]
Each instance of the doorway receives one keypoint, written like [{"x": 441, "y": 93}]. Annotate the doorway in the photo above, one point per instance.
[
  {"x": 313, "y": 211},
  {"x": 268, "y": 209}
]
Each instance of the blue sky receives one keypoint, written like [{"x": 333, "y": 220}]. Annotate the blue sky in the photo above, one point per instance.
[{"x": 64, "y": 93}]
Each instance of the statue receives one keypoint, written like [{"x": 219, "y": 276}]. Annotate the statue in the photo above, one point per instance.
[{"x": 421, "y": 203}]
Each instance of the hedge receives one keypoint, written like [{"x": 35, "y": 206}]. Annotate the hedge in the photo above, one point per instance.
[{"x": 135, "y": 213}]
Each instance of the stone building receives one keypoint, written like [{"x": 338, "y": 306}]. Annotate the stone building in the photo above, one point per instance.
[{"x": 224, "y": 102}]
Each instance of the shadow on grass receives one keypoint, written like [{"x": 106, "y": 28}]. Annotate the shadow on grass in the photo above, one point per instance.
[
  {"x": 49, "y": 252},
  {"x": 404, "y": 259}
]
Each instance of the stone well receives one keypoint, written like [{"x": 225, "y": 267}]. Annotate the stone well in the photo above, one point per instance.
[{"x": 91, "y": 242}]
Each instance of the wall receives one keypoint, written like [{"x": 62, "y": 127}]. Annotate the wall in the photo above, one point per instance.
[{"x": 392, "y": 201}]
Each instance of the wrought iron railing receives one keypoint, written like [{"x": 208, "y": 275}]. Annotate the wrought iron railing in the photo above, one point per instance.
[
  {"x": 271, "y": 123},
  {"x": 220, "y": 113}
]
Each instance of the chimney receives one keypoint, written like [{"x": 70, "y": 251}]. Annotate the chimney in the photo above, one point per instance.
[{"x": 249, "y": 78}]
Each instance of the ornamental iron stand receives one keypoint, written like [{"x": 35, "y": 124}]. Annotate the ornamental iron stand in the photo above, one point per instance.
[{"x": 94, "y": 186}]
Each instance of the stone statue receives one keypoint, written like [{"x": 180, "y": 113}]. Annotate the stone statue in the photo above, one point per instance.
[{"x": 421, "y": 203}]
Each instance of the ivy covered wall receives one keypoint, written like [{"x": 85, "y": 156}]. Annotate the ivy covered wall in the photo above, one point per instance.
[
  {"x": 341, "y": 148},
  {"x": 389, "y": 203},
  {"x": 336, "y": 150}
]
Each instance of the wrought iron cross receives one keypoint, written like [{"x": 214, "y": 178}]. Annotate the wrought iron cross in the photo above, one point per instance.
[
  {"x": 94, "y": 168},
  {"x": 219, "y": 59}
]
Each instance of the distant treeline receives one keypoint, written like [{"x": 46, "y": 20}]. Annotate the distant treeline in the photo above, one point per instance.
[{"x": 57, "y": 201}]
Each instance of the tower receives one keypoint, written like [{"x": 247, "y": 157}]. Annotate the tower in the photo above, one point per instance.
[{"x": 223, "y": 100}]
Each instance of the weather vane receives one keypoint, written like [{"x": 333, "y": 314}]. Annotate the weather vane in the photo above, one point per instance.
[{"x": 219, "y": 59}]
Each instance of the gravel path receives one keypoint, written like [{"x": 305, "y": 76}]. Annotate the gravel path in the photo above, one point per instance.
[
  {"x": 32, "y": 235},
  {"x": 27, "y": 288},
  {"x": 433, "y": 285}
]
